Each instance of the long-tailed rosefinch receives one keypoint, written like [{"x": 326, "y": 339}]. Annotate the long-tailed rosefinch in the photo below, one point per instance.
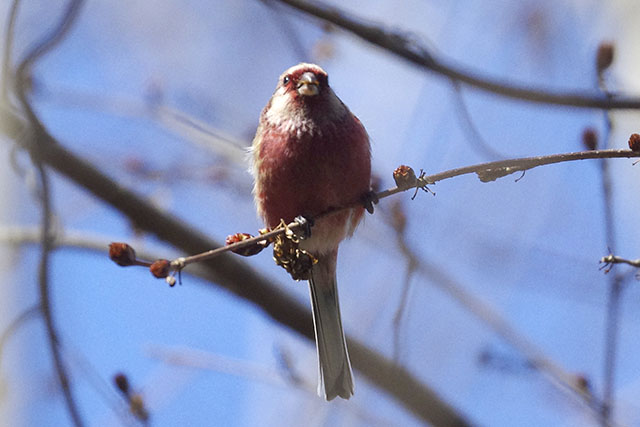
[{"x": 310, "y": 154}]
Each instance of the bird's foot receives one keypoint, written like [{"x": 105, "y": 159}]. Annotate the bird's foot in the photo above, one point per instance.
[
  {"x": 305, "y": 226},
  {"x": 369, "y": 199}
]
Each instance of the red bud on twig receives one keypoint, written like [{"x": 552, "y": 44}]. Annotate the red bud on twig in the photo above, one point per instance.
[
  {"x": 634, "y": 142},
  {"x": 122, "y": 254}
]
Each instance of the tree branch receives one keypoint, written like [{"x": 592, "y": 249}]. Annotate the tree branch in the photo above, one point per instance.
[
  {"x": 23, "y": 73},
  {"x": 238, "y": 277},
  {"x": 491, "y": 171},
  {"x": 408, "y": 49},
  {"x": 611, "y": 259},
  {"x": 486, "y": 172}
]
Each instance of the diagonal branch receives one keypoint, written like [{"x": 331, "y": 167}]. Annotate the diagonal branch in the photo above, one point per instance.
[
  {"x": 408, "y": 49},
  {"x": 23, "y": 73},
  {"x": 5, "y": 77},
  {"x": 239, "y": 278},
  {"x": 45, "y": 295}
]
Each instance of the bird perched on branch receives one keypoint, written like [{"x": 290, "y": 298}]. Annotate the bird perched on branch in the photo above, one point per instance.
[{"x": 311, "y": 154}]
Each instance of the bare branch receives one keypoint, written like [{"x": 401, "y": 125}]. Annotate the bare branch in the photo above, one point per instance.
[
  {"x": 239, "y": 278},
  {"x": 566, "y": 381},
  {"x": 474, "y": 138},
  {"x": 23, "y": 73},
  {"x": 611, "y": 259},
  {"x": 28, "y": 314},
  {"x": 604, "y": 58},
  {"x": 45, "y": 297},
  {"x": 5, "y": 78},
  {"x": 487, "y": 172},
  {"x": 410, "y": 50},
  {"x": 197, "y": 359}
]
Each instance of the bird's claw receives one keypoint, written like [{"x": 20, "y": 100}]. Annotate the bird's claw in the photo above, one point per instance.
[
  {"x": 305, "y": 226},
  {"x": 287, "y": 253},
  {"x": 369, "y": 199}
]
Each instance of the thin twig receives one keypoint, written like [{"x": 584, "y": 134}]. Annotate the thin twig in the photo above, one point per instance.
[
  {"x": 6, "y": 54},
  {"x": 197, "y": 359},
  {"x": 45, "y": 45},
  {"x": 45, "y": 299},
  {"x": 490, "y": 317},
  {"x": 241, "y": 279},
  {"x": 476, "y": 140},
  {"x": 397, "y": 219},
  {"x": 177, "y": 122},
  {"x": 402, "y": 307},
  {"x": 616, "y": 281},
  {"x": 557, "y": 375},
  {"x": 288, "y": 30},
  {"x": 489, "y": 171},
  {"x": 23, "y": 73},
  {"x": 535, "y": 357},
  {"x": 15, "y": 325},
  {"x": 614, "y": 259},
  {"x": 409, "y": 50}
]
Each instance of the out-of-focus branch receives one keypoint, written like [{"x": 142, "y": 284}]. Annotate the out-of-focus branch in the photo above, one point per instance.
[
  {"x": 577, "y": 385},
  {"x": 5, "y": 77},
  {"x": 408, "y": 49},
  {"x": 573, "y": 383},
  {"x": 177, "y": 122},
  {"x": 475, "y": 139},
  {"x": 23, "y": 74},
  {"x": 397, "y": 219},
  {"x": 238, "y": 277},
  {"x": 80, "y": 240},
  {"x": 14, "y": 326},
  {"x": 604, "y": 58},
  {"x": 197, "y": 359},
  {"x": 65, "y": 239},
  {"x": 45, "y": 295}
]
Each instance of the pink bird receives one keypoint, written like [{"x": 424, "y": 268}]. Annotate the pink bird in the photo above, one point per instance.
[{"x": 310, "y": 154}]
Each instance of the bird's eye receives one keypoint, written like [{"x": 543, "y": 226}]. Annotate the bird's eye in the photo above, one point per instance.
[{"x": 285, "y": 80}]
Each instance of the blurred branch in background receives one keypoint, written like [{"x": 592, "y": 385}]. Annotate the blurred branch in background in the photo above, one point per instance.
[
  {"x": 173, "y": 120},
  {"x": 239, "y": 278},
  {"x": 476, "y": 140},
  {"x": 32, "y": 144},
  {"x": 197, "y": 359},
  {"x": 14, "y": 326},
  {"x": 6, "y": 79},
  {"x": 603, "y": 59},
  {"x": 398, "y": 221},
  {"x": 408, "y": 49},
  {"x": 236, "y": 275},
  {"x": 574, "y": 384},
  {"x": 227, "y": 271}
]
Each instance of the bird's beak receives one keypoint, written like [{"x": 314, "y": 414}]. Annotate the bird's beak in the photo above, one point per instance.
[{"x": 308, "y": 84}]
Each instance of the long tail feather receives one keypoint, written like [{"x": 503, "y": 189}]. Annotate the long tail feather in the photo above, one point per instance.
[{"x": 335, "y": 377}]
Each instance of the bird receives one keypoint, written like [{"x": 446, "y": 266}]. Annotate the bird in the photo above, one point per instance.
[{"x": 311, "y": 154}]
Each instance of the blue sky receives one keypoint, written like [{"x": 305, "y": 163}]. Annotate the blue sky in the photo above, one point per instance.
[{"x": 527, "y": 249}]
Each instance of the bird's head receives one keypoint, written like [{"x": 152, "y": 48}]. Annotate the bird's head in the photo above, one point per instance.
[
  {"x": 303, "y": 91},
  {"x": 303, "y": 81}
]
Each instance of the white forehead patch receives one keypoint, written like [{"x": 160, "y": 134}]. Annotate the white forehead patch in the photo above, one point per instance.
[{"x": 313, "y": 67}]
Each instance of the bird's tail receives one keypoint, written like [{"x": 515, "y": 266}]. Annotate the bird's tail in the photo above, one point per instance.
[{"x": 335, "y": 378}]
